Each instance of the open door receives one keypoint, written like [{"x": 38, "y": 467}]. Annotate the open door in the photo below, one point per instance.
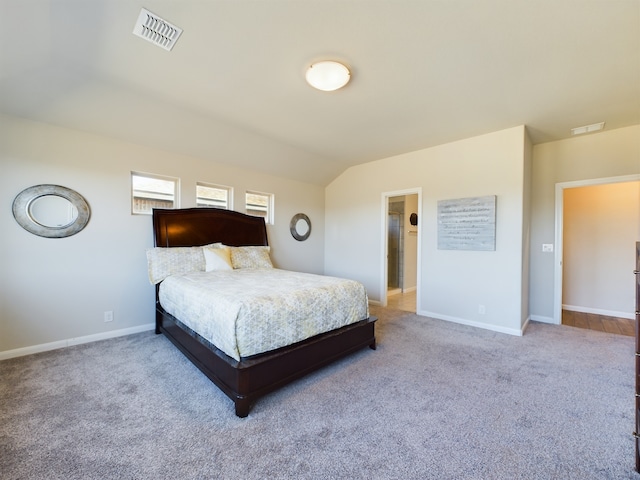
[{"x": 395, "y": 278}]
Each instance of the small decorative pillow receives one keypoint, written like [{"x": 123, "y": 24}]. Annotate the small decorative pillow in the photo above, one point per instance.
[
  {"x": 217, "y": 258},
  {"x": 251, "y": 257},
  {"x": 163, "y": 261}
]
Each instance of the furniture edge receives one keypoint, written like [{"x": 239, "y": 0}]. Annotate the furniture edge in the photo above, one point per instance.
[{"x": 247, "y": 380}]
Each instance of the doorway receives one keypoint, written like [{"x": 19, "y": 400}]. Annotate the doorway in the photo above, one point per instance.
[
  {"x": 401, "y": 249},
  {"x": 561, "y": 288},
  {"x": 395, "y": 246}
]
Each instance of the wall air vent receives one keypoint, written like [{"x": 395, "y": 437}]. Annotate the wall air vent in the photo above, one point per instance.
[{"x": 156, "y": 30}]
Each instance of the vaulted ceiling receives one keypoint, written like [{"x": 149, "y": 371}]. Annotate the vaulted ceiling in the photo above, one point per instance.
[{"x": 232, "y": 90}]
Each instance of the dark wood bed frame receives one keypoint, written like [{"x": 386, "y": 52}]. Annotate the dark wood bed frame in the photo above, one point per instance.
[{"x": 246, "y": 380}]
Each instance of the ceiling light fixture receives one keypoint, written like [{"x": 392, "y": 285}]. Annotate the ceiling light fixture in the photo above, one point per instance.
[
  {"x": 327, "y": 75},
  {"x": 587, "y": 128}
]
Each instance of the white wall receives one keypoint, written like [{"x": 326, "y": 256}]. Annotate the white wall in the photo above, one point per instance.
[
  {"x": 526, "y": 226},
  {"x": 610, "y": 153},
  {"x": 453, "y": 283},
  {"x": 601, "y": 228},
  {"x": 53, "y": 290}
]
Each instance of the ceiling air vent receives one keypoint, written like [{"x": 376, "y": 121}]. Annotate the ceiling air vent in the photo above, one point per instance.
[
  {"x": 587, "y": 128},
  {"x": 156, "y": 30}
]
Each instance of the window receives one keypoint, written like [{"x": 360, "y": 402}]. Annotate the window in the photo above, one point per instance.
[
  {"x": 216, "y": 196},
  {"x": 260, "y": 205},
  {"x": 152, "y": 191}
]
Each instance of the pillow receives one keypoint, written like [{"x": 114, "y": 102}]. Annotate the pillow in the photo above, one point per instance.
[
  {"x": 251, "y": 257},
  {"x": 217, "y": 258},
  {"x": 163, "y": 261}
]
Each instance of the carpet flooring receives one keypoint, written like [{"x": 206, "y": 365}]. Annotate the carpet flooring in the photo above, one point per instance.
[{"x": 436, "y": 400}]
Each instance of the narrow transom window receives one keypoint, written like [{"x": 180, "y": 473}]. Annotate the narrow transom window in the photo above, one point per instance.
[
  {"x": 260, "y": 205},
  {"x": 150, "y": 191},
  {"x": 217, "y": 196}
]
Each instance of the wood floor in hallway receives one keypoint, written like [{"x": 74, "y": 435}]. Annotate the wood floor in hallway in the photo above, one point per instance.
[
  {"x": 602, "y": 323},
  {"x": 402, "y": 301}
]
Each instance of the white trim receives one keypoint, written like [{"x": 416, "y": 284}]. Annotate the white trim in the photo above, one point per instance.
[
  {"x": 471, "y": 323},
  {"x": 174, "y": 180},
  {"x": 385, "y": 248},
  {"x": 598, "y": 311},
  {"x": 45, "y": 347},
  {"x": 557, "y": 261},
  {"x": 270, "y": 218},
  {"x": 559, "y": 236},
  {"x": 214, "y": 186},
  {"x": 540, "y": 318}
]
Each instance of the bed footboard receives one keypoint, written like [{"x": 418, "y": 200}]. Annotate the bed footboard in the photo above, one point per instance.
[{"x": 249, "y": 379}]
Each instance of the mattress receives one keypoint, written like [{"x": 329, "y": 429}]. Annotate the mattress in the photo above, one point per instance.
[{"x": 246, "y": 312}]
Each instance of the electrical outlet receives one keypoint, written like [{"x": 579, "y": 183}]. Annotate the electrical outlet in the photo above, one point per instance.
[
  {"x": 481, "y": 310},
  {"x": 108, "y": 316}
]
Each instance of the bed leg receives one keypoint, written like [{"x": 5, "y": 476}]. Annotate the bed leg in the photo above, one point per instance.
[
  {"x": 158, "y": 318},
  {"x": 243, "y": 405},
  {"x": 372, "y": 345}
]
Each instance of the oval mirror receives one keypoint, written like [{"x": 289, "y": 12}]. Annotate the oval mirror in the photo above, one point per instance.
[
  {"x": 51, "y": 211},
  {"x": 300, "y": 227}
]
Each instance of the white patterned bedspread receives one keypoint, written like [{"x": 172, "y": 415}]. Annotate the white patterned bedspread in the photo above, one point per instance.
[{"x": 244, "y": 312}]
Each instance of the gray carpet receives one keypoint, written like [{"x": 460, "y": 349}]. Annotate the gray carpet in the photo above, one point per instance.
[{"x": 435, "y": 401}]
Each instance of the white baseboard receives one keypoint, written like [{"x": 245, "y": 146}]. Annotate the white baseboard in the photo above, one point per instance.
[
  {"x": 540, "y": 318},
  {"x": 45, "y": 347},
  {"x": 486, "y": 326},
  {"x": 598, "y": 311}
]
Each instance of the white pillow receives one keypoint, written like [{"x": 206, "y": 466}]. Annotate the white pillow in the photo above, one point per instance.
[{"x": 217, "y": 258}]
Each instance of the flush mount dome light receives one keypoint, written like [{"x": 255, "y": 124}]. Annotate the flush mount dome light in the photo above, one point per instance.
[{"x": 328, "y": 76}]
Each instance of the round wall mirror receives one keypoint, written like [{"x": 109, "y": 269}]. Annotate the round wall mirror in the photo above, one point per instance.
[
  {"x": 300, "y": 227},
  {"x": 51, "y": 211}
]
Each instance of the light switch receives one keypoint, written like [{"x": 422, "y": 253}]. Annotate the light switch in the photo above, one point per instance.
[{"x": 547, "y": 247}]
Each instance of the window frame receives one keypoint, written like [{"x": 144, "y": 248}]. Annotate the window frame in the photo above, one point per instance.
[
  {"x": 176, "y": 191},
  {"x": 270, "y": 213},
  {"x": 229, "y": 190}
]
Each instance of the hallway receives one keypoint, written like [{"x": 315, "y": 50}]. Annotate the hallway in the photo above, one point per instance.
[
  {"x": 602, "y": 323},
  {"x": 402, "y": 301}
]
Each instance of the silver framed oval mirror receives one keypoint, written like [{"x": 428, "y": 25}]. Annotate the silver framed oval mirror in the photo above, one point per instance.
[
  {"x": 51, "y": 211},
  {"x": 300, "y": 227}
]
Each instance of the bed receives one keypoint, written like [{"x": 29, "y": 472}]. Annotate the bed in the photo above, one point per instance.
[{"x": 243, "y": 378}]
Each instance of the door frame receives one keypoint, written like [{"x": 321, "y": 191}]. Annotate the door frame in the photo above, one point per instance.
[
  {"x": 385, "y": 247},
  {"x": 559, "y": 237}
]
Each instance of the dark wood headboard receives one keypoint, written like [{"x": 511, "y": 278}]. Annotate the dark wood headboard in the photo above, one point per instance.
[{"x": 189, "y": 227}]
